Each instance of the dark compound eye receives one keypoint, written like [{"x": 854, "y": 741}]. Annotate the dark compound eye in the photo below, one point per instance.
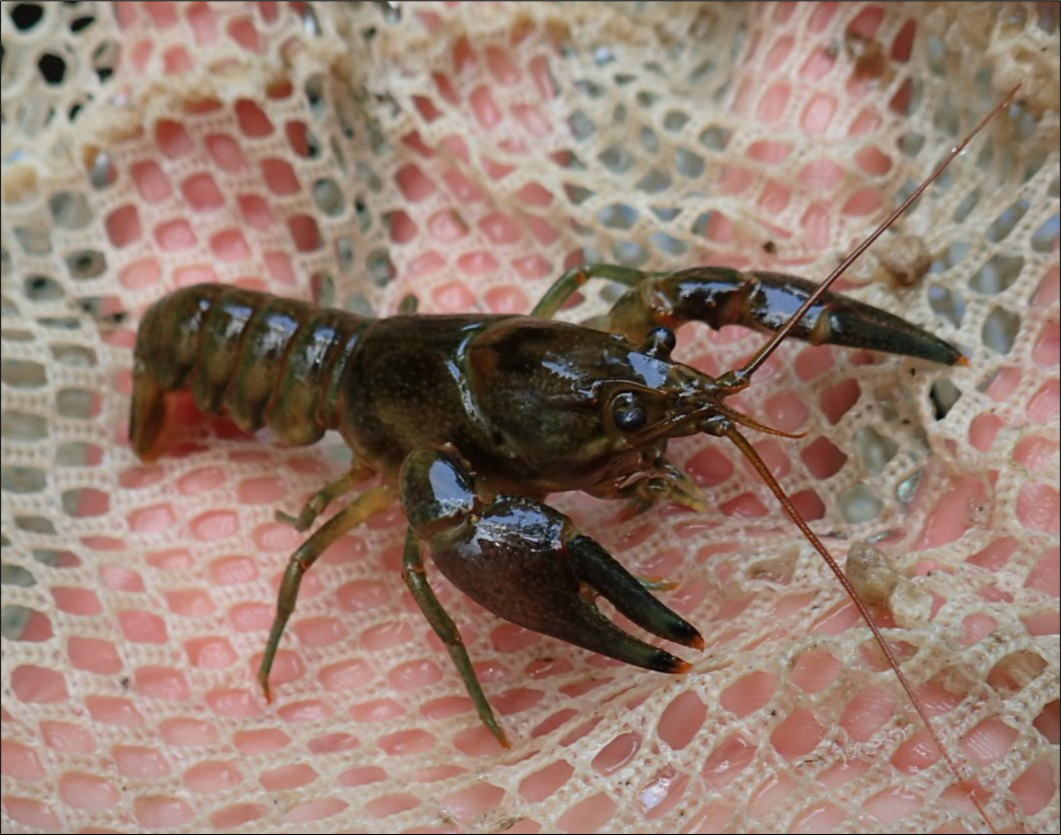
[{"x": 628, "y": 413}]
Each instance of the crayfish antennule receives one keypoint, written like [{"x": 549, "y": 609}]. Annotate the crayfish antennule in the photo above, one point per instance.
[{"x": 751, "y": 423}]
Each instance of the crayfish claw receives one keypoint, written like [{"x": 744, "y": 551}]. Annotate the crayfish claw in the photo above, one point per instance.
[
  {"x": 526, "y": 563},
  {"x": 581, "y": 623},
  {"x": 599, "y": 569},
  {"x": 763, "y": 301},
  {"x": 522, "y": 561}
]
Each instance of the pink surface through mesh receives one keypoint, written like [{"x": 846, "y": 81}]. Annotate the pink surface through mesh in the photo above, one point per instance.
[{"x": 469, "y": 153}]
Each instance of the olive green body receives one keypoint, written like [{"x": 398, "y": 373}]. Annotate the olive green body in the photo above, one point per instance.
[
  {"x": 471, "y": 420},
  {"x": 519, "y": 397},
  {"x": 524, "y": 399}
]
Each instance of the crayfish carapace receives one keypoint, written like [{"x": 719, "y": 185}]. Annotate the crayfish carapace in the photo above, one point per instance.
[{"x": 472, "y": 420}]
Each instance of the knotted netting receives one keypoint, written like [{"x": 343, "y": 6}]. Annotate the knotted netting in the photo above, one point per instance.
[{"x": 469, "y": 153}]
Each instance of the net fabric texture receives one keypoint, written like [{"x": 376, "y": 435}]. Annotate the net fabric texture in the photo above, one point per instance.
[{"x": 469, "y": 153}]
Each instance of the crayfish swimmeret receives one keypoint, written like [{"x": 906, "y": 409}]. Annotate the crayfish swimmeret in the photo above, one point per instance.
[{"x": 472, "y": 420}]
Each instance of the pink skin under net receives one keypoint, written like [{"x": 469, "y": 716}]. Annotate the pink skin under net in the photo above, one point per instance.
[{"x": 495, "y": 147}]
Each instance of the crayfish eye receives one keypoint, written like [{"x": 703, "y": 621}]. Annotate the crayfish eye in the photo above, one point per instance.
[{"x": 628, "y": 413}]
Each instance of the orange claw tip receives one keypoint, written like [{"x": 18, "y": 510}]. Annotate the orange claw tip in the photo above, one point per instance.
[
  {"x": 498, "y": 734},
  {"x": 697, "y": 642},
  {"x": 681, "y": 668},
  {"x": 962, "y": 361}
]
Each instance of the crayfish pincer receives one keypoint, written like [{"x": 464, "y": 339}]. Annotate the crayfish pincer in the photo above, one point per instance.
[
  {"x": 525, "y": 562},
  {"x": 472, "y": 420}
]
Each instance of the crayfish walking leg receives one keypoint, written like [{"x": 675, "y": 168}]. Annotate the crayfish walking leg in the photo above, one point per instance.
[
  {"x": 358, "y": 511},
  {"x": 415, "y": 576},
  {"x": 319, "y": 501}
]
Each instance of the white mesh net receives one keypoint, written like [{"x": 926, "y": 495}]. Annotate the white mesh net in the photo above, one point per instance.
[{"x": 353, "y": 153}]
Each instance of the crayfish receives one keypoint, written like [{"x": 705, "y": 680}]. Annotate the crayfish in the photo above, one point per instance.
[{"x": 472, "y": 420}]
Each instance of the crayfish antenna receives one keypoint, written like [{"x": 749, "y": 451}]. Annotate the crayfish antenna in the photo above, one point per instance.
[
  {"x": 744, "y": 374},
  {"x": 731, "y": 432},
  {"x": 739, "y": 379}
]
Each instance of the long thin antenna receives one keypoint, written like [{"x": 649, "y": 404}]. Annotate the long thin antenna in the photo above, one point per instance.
[
  {"x": 742, "y": 376},
  {"x": 749, "y": 452}
]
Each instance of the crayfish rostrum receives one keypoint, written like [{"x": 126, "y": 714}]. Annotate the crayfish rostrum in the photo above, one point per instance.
[{"x": 472, "y": 420}]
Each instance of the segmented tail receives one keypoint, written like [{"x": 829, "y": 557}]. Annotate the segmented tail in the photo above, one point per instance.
[{"x": 263, "y": 360}]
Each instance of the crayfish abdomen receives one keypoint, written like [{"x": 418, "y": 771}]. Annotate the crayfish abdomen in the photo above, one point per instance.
[{"x": 262, "y": 359}]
